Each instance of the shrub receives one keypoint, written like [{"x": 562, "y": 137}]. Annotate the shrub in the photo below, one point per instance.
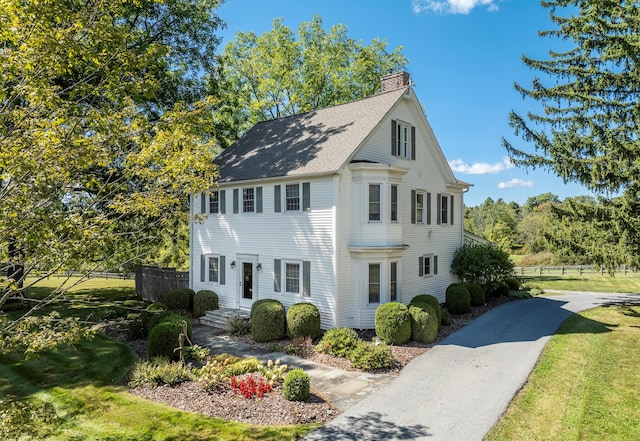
[
  {"x": 197, "y": 353},
  {"x": 204, "y": 301},
  {"x": 483, "y": 264},
  {"x": 168, "y": 316},
  {"x": 215, "y": 374},
  {"x": 477, "y": 294},
  {"x": 255, "y": 305},
  {"x": 273, "y": 372},
  {"x": 163, "y": 339},
  {"x": 446, "y": 318},
  {"x": 296, "y": 385},
  {"x": 393, "y": 323},
  {"x": 268, "y": 321},
  {"x": 191, "y": 293},
  {"x": 431, "y": 301},
  {"x": 159, "y": 371},
  {"x": 458, "y": 299},
  {"x": 424, "y": 323},
  {"x": 338, "y": 341},
  {"x": 369, "y": 356},
  {"x": 238, "y": 326},
  {"x": 177, "y": 300},
  {"x": 513, "y": 283},
  {"x": 500, "y": 290},
  {"x": 157, "y": 307},
  {"x": 303, "y": 320},
  {"x": 522, "y": 294}
]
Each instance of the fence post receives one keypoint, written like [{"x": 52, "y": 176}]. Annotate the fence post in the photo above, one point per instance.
[{"x": 580, "y": 270}]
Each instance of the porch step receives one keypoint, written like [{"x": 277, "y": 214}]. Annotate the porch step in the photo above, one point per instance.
[{"x": 220, "y": 317}]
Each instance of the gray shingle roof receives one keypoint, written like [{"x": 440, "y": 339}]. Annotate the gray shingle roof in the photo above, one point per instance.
[{"x": 317, "y": 142}]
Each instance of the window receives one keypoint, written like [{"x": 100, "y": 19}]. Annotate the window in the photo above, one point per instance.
[
  {"x": 427, "y": 265},
  {"x": 419, "y": 208},
  {"x": 292, "y": 278},
  {"x": 444, "y": 209},
  {"x": 374, "y": 202},
  {"x": 292, "y": 197},
  {"x": 214, "y": 202},
  {"x": 394, "y": 203},
  {"x": 248, "y": 200},
  {"x": 403, "y": 142},
  {"x": 374, "y": 283},
  {"x": 393, "y": 282},
  {"x": 214, "y": 269}
]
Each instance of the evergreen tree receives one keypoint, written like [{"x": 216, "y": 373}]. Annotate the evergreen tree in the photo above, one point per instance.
[{"x": 588, "y": 129}]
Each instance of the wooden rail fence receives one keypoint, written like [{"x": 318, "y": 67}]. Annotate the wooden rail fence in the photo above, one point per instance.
[{"x": 570, "y": 269}]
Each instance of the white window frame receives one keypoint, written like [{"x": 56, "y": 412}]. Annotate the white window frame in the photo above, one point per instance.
[
  {"x": 369, "y": 284},
  {"x": 286, "y": 198},
  {"x": 246, "y": 200},
  {"x": 285, "y": 264},
  {"x": 214, "y": 198},
  {"x": 403, "y": 140},
  {"x": 210, "y": 258},
  {"x": 421, "y": 219},
  {"x": 427, "y": 258},
  {"x": 379, "y": 202}
]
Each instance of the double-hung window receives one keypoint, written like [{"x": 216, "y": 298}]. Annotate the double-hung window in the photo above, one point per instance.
[
  {"x": 292, "y": 278},
  {"x": 214, "y": 202},
  {"x": 393, "y": 282},
  {"x": 375, "y": 202},
  {"x": 394, "y": 203},
  {"x": 292, "y": 197},
  {"x": 374, "y": 283},
  {"x": 419, "y": 208},
  {"x": 427, "y": 265},
  {"x": 445, "y": 209},
  {"x": 444, "y": 212},
  {"x": 214, "y": 269},
  {"x": 403, "y": 144},
  {"x": 248, "y": 200}
]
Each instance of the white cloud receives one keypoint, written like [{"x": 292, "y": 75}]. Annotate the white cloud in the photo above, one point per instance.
[
  {"x": 480, "y": 168},
  {"x": 452, "y": 6},
  {"x": 515, "y": 183}
]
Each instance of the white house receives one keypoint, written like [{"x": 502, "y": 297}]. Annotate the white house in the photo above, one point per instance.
[{"x": 345, "y": 207}]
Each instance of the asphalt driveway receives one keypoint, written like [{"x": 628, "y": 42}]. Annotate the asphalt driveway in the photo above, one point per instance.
[{"x": 461, "y": 387}]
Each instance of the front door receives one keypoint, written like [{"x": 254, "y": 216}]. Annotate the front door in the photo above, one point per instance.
[{"x": 247, "y": 291}]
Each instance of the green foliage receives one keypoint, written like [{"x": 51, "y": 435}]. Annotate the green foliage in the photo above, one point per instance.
[
  {"x": 255, "y": 305},
  {"x": 481, "y": 264},
  {"x": 478, "y": 297},
  {"x": 496, "y": 221},
  {"x": 268, "y": 321},
  {"x": 22, "y": 418},
  {"x": 393, "y": 323},
  {"x": 296, "y": 386},
  {"x": 163, "y": 339},
  {"x": 458, "y": 299},
  {"x": 159, "y": 371},
  {"x": 173, "y": 317},
  {"x": 369, "y": 356},
  {"x": 177, "y": 300},
  {"x": 237, "y": 325},
  {"x": 273, "y": 371},
  {"x": 424, "y": 323},
  {"x": 216, "y": 373},
  {"x": 431, "y": 301},
  {"x": 521, "y": 294},
  {"x": 513, "y": 283},
  {"x": 203, "y": 301},
  {"x": 303, "y": 320},
  {"x": 197, "y": 353},
  {"x": 273, "y": 75},
  {"x": 501, "y": 289},
  {"x": 338, "y": 341},
  {"x": 446, "y": 318},
  {"x": 157, "y": 307}
]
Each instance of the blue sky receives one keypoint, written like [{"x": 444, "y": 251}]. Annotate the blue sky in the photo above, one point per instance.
[{"x": 464, "y": 57}]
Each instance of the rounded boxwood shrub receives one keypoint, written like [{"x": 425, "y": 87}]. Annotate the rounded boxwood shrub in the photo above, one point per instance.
[
  {"x": 393, "y": 323},
  {"x": 163, "y": 339},
  {"x": 268, "y": 321},
  {"x": 255, "y": 305},
  {"x": 431, "y": 301},
  {"x": 424, "y": 323},
  {"x": 370, "y": 356},
  {"x": 203, "y": 301},
  {"x": 478, "y": 297},
  {"x": 338, "y": 341},
  {"x": 446, "y": 318},
  {"x": 513, "y": 283},
  {"x": 168, "y": 316},
  {"x": 500, "y": 290},
  {"x": 303, "y": 320},
  {"x": 177, "y": 300},
  {"x": 296, "y": 386},
  {"x": 458, "y": 299}
]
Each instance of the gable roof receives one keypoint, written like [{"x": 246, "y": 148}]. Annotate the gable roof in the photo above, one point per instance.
[{"x": 316, "y": 142}]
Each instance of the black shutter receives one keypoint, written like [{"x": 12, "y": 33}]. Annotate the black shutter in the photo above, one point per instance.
[
  {"x": 435, "y": 264},
  {"x": 451, "y": 208},
  {"x": 203, "y": 262},
  {"x": 235, "y": 200},
  {"x": 413, "y": 206},
  {"x": 306, "y": 196},
  {"x": 258, "y": 199},
  {"x": 306, "y": 278},
  {"x": 428, "y": 208},
  {"x": 276, "y": 199},
  {"x": 438, "y": 208},
  {"x": 221, "y": 271},
  {"x": 222, "y": 202},
  {"x": 203, "y": 203},
  {"x": 394, "y": 139},
  {"x": 413, "y": 143},
  {"x": 277, "y": 271},
  {"x": 420, "y": 266}
]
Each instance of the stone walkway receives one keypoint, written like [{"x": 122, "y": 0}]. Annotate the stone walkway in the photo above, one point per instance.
[{"x": 342, "y": 388}]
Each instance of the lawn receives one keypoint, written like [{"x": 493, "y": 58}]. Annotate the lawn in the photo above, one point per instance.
[
  {"x": 592, "y": 282},
  {"x": 80, "y": 394},
  {"x": 585, "y": 386}
]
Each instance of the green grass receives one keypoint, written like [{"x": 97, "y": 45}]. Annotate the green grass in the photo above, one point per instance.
[
  {"x": 79, "y": 394},
  {"x": 585, "y": 386},
  {"x": 586, "y": 282}
]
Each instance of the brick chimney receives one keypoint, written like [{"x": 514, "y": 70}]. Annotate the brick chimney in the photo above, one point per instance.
[{"x": 394, "y": 81}]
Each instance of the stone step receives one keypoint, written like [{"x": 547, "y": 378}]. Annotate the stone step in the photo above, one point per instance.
[{"x": 219, "y": 318}]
